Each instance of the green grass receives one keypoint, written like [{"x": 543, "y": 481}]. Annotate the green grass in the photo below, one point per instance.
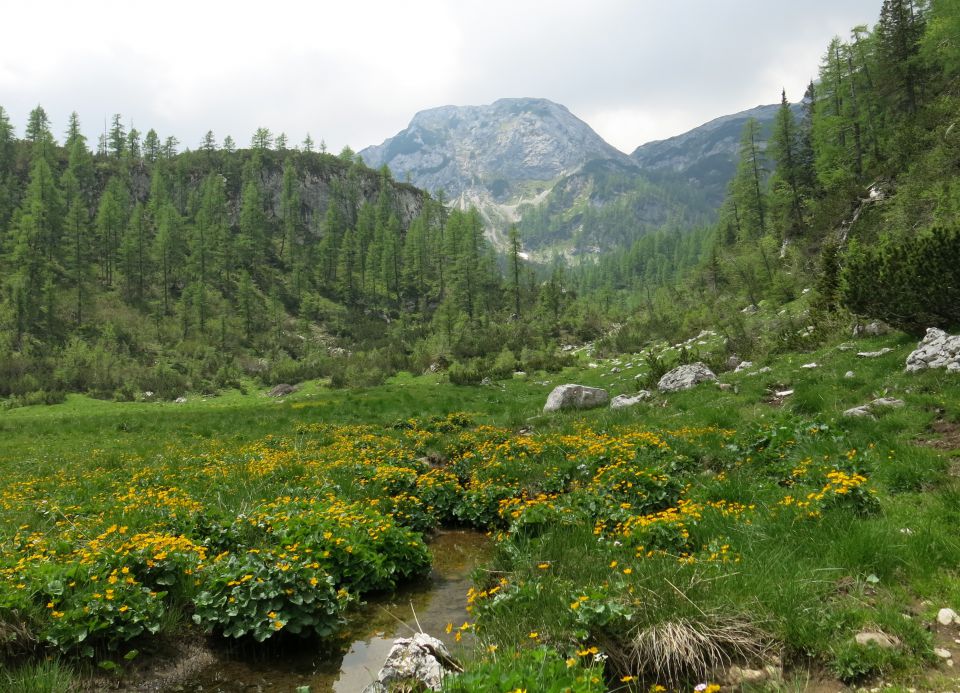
[{"x": 799, "y": 585}]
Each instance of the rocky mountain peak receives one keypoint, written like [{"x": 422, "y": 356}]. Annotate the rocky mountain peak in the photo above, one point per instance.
[{"x": 496, "y": 148}]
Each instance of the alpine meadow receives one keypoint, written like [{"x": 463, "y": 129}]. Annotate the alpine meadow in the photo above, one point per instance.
[{"x": 492, "y": 406}]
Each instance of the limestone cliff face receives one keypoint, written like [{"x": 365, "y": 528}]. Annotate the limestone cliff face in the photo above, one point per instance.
[{"x": 497, "y": 147}]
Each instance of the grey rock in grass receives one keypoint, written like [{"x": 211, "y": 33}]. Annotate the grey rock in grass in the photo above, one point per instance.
[
  {"x": 874, "y": 354},
  {"x": 749, "y": 310},
  {"x": 733, "y": 362},
  {"x": 180, "y": 400},
  {"x": 936, "y": 350},
  {"x": 414, "y": 663},
  {"x": 685, "y": 377},
  {"x": 572, "y": 396},
  {"x": 623, "y": 401},
  {"x": 282, "y": 390},
  {"x": 947, "y": 617},
  {"x": 849, "y": 374},
  {"x": 742, "y": 366},
  {"x": 871, "y": 329},
  {"x": 942, "y": 653},
  {"x": 882, "y": 640},
  {"x": 811, "y": 365},
  {"x": 868, "y": 409}
]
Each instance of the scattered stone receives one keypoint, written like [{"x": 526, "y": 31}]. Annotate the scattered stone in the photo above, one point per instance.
[
  {"x": 812, "y": 364},
  {"x": 874, "y": 354},
  {"x": 881, "y": 640},
  {"x": 592, "y": 365},
  {"x": 567, "y": 347},
  {"x": 783, "y": 393},
  {"x": 685, "y": 377},
  {"x": 942, "y": 653},
  {"x": 413, "y": 664},
  {"x": 736, "y": 676},
  {"x": 879, "y": 403},
  {"x": 486, "y": 381},
  {"x": 282, "y": 390},
  {"x": 733, "y": 362},
  {"x": 805, "y": 292},
  {"x": 849, "y": 374},
  {"x": 765, "y": 369},
  {"x": 614, "y": 370},
  {"x": 742, "y": 366},
  {"x": 623, "y": 401},
  {"x": 906, "y": 530},
  {"x": 946, "y": 617},
  {"x": 725, "y": 386},
  {"x": 846, "y": 347},
  {"x": 519, "y": 374},
  {"x": 936, "y": 350},
  {"x": 572, "y": 396},
  {"x": 749, "y": 310},
  {"x": 180, "y": 400}
]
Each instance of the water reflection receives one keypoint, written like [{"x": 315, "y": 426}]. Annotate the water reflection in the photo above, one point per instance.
[{"x": 430, "y": 606}]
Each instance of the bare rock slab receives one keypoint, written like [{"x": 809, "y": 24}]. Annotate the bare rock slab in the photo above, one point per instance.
[
  {"x": 571, "y": 396},
  {"x": 686, "y": 377}
]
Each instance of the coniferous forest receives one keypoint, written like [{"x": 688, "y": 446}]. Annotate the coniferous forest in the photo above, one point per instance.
[{"x": 131, "y": 266}]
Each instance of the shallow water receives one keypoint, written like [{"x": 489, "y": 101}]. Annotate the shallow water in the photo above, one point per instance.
[{"x": 429, "y": 606}]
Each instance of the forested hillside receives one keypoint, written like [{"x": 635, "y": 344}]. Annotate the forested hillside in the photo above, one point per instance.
[
  {"x": 139, "y": 269},
  {"x": 857, "y": 199}
]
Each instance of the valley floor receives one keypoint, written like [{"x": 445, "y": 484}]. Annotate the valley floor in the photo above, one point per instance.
[{"x": 651, "y": 546}]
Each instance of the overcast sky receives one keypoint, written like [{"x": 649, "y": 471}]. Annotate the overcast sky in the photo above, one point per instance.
[{"x": 354, "y": 72}]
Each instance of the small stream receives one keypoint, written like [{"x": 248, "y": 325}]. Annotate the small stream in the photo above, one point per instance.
[{"x": 438, "y": 600}]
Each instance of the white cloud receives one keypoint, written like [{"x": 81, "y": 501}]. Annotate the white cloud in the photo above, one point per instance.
[{"x": 354, "y": 73}]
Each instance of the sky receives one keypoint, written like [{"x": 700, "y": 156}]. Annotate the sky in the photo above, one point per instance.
[{"x": 354, "y": 72}]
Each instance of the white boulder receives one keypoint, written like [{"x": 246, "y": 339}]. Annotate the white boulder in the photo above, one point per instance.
[
  {"x": 420, "y": 661},
  {"x": 685, "y": 377},
  {"x": 572, "y": 396}
]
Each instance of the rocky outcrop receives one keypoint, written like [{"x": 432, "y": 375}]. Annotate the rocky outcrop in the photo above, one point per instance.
[
  {"x": 685, "y": 377},
  {"x": 496, "y": 146},
  {"x": 415, "y": 663},
  {"x": 624, "y": 401},
  {"x": 936, "y": 350},
  {"x": 572, "y": 396}
]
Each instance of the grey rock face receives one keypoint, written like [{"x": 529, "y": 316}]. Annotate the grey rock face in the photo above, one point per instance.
[
  {"x": 623, "y": 401},
  {"x": 571, "y": 396},
  {"x": 936, "y": 350},
  {"x": 685, "y": 377},
  {"x": 419, "y": 661},
  {"x": 456, "y": 148}
]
